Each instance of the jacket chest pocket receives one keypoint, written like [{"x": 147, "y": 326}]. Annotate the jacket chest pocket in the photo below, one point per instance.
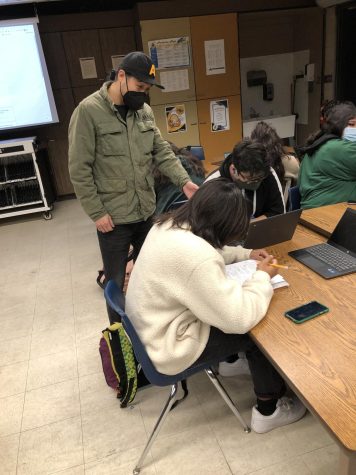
[
  {"x": 110, "y": 139},
  {"x": 146, "y": 136}
]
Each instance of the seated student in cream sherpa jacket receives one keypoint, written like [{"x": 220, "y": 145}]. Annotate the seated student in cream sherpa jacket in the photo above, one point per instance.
[{"x": 185, "y": 308}]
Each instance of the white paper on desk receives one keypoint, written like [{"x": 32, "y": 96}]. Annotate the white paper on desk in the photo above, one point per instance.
[{"x": 242, "y": 271}]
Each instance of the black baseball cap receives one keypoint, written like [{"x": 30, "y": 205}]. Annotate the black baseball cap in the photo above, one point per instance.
[{"x": 140, "y": 66}]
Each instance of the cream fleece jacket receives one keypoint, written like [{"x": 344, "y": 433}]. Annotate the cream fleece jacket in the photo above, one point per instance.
[{"x": 178, "y": 289}]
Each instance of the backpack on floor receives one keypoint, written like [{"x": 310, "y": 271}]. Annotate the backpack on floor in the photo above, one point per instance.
[{"x": 121, "y": 369}]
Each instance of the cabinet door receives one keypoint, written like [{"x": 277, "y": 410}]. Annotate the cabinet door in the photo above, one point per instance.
[
  {"x": 81, "y": 93},
  {"x": 217, "y": 143},
  {"x": 152, "y": 30},
  {"x": 190, "y": 136},
  {"x": 58, "y": 155},
  {"x": 83, "y": 44},
  {"x": 55, "y": 60},
  {"x": 208, "y": 28},
  {"x": 116, "y": 41}
]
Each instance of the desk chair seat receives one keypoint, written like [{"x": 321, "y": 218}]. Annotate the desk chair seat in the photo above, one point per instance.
[{"x": 116, "y": 301}]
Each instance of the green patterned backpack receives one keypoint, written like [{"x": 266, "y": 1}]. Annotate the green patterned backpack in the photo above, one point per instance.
[{"x": 121, "y": 369}]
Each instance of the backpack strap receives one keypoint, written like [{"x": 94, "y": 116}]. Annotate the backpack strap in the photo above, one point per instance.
[{"x": 186, "y": 392}]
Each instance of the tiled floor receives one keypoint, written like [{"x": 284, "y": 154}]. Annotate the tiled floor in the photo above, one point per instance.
[{"x": 56, "y": 413}]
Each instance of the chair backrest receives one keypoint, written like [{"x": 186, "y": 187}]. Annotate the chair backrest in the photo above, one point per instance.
[
  {"x": 116, "y": 300},
  {"x": 176, "y": 205},
  {"x": 294, "y": 198},
  {"x": 196, "y": 150}
]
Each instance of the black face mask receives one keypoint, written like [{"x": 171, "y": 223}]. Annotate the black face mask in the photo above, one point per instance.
[
  {"x": 243, "y": 185},
  {"x": 134, "y": 100}
]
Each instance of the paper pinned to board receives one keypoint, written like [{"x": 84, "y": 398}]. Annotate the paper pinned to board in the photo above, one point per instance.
[
  {"x": 88, "y": 68},
  {"x": 242, "y": 271}
]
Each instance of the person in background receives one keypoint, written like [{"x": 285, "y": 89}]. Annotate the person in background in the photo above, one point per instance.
[
  {"x": 187, "y": 311},
  {"x": 113, "y": 145},
  {"x": 286, "y": 166},
  {"x": 248, "y": 167},
  {"x": 328, "y": 169},
  {"x": 166, "y": 192}
]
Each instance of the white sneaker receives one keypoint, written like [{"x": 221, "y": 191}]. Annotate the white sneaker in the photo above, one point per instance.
[
  {"x": 237, "y": 368},
  {"x": 288, "y": 410}
]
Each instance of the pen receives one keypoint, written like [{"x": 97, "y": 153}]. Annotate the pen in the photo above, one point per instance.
[{"x": 279, "y": 266}]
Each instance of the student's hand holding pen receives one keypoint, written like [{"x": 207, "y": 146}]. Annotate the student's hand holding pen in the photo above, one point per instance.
[{"x": 267, "y": 266}]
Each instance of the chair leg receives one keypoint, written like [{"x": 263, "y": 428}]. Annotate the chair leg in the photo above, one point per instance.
[
  {"x": 223, "y": 393},
  {"x": 161, "y": 419}
]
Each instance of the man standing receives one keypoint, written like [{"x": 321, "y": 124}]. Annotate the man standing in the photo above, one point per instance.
[{"x": 113, "y": 145}]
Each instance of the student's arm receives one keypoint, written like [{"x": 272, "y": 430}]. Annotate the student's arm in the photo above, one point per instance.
[
  {"x": 232, "y": 254},
  {"x": 224, "y": 303}
]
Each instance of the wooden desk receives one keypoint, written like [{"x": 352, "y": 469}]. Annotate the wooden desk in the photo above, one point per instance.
[
  {"x": 317, "y": 358},
  {"x": 323, "y": 220}
]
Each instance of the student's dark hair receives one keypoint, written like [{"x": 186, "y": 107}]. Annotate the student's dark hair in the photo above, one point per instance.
[
  {"x": 250, "y": 157},
  {"x": 338, "y": 118},
  {"x": 217, "y": 212},
  {"x": 267, "y": 136},
  {"x": 190, "y": 162}
]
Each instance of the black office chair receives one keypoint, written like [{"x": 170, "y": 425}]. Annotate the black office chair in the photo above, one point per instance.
[
  {"x": 196, "y": 150},
  {"x": 293, "y": 198}
]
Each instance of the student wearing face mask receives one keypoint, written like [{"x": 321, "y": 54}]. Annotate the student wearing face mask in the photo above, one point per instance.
[
  {"x": 328, "y": 170},
  {"x": 249, "y": 169},
  {"x": 113, "y": 145}
]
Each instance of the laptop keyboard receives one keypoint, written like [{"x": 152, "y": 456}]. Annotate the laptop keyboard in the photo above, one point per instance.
[{"x": 333, "y": 257}]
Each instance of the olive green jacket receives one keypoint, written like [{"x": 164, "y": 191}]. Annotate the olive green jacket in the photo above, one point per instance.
[{"x": 111, "y": 161}]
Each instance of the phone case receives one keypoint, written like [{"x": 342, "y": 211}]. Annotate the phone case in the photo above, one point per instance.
[{"x": 325, "y": 310}]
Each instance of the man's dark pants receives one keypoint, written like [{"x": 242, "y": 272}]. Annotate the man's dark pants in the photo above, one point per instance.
[{"x": 114, "y": 247}]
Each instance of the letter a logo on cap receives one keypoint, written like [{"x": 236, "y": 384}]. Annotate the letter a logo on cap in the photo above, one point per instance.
[{"x": 152, "y": 71}]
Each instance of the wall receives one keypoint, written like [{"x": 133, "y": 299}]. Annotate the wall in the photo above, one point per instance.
[
  {"x": 330, "y": 53},
  {"x": 65, "y": 37},
  {"x": 270, "y": 35}
]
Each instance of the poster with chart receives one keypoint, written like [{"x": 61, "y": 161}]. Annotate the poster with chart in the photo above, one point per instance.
[
  {"x": 176, "y": 119},
  {"x": 170, "y": 52},
  {"x": 219, "y": 115}
]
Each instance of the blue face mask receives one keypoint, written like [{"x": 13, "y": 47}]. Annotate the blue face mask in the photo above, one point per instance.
[{"x": 349, "y": 134}]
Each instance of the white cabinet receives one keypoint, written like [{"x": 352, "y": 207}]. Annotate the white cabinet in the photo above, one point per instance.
[{"x": 24, "y": 181}]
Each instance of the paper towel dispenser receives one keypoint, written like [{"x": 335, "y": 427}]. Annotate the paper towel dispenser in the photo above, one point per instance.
[{"x": 256, "y": 78}]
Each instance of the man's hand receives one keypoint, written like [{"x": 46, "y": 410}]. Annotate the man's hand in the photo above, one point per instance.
[
  {"x": 104, "y": 224},
  {"x": 258, "y": 254},
  {"x": 189, "y": 189},
  {"x": 265, "y": 266}
]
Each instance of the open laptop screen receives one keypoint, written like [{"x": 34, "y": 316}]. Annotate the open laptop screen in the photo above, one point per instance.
[{"x": 345, "y": 232}]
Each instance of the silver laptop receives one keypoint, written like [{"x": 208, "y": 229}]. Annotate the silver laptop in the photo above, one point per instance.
[
  {"x": 337, "y": 256},
  {"x": 273, "y": 230}
]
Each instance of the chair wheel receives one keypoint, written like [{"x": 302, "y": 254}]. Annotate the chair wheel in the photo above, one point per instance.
[{"x": 136, "y": 471}]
